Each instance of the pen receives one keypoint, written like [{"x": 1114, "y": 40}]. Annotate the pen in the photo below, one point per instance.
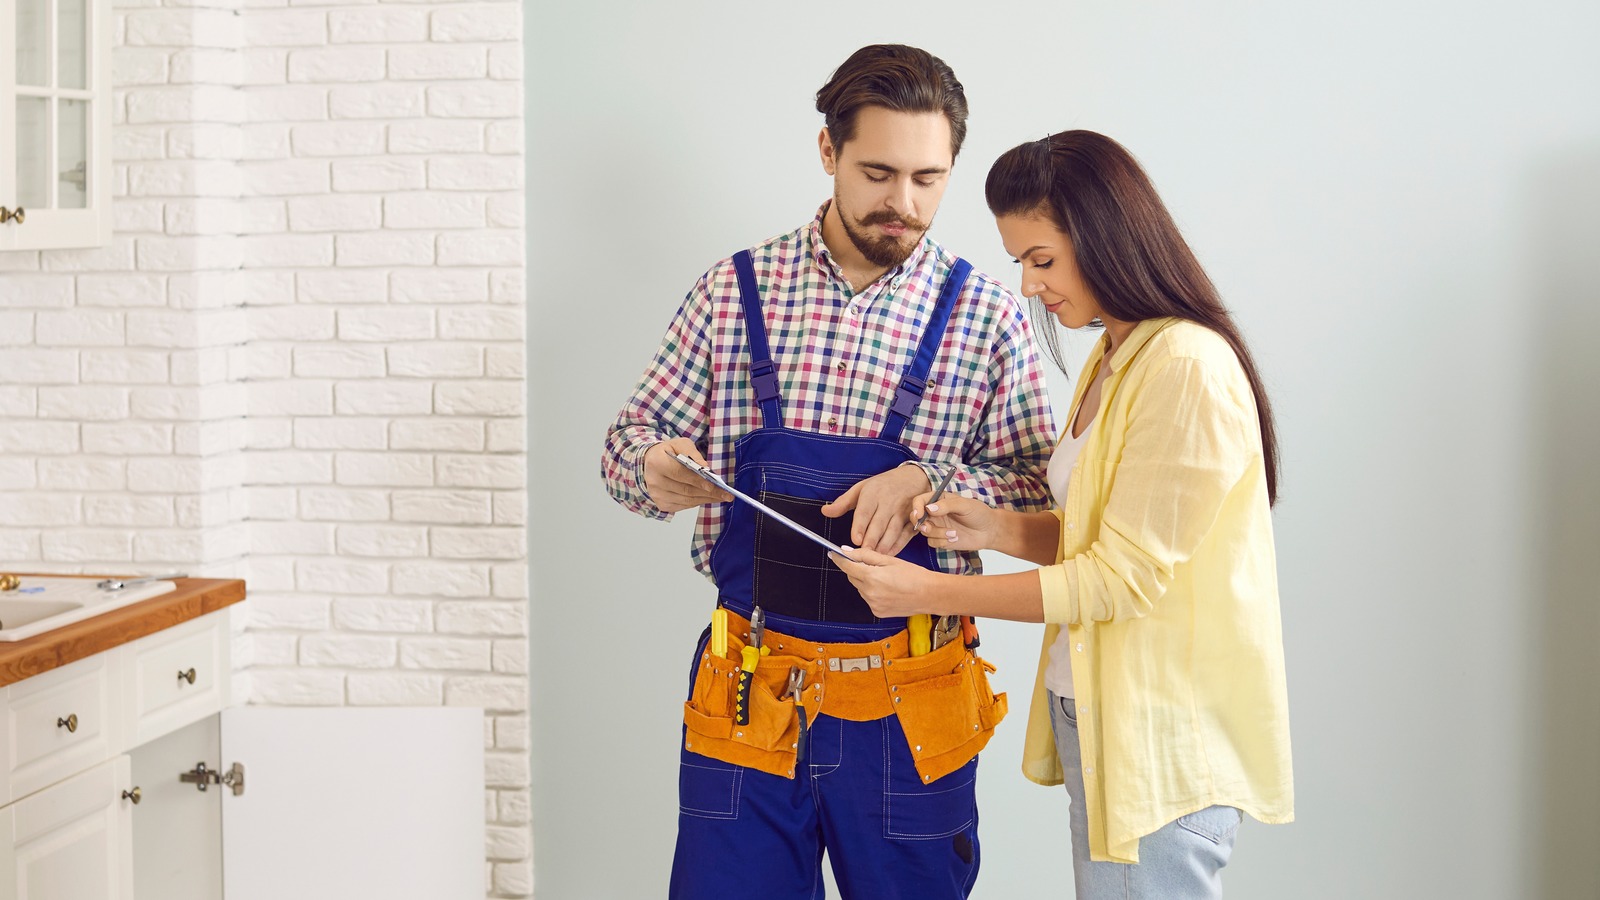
[{"x": 937, "y": 493}]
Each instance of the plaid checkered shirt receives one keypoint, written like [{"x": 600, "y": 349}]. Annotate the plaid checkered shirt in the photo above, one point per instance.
[{"x": 839, "y": 356}]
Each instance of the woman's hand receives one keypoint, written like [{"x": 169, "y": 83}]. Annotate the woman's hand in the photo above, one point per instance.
[
  {"x": 958, "y": 522},
  {"x": 891, "y": 586}
]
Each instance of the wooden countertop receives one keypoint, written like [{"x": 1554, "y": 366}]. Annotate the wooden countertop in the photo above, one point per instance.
[{"x": 193, "y": 598}]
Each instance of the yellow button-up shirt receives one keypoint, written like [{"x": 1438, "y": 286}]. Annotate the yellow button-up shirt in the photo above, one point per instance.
[{"x": 1167, "y": 585}]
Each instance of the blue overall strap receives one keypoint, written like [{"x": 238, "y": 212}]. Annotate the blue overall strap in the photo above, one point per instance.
[
  {"x": 763, "y": 374},
  {"x": 908, "y": 396}
]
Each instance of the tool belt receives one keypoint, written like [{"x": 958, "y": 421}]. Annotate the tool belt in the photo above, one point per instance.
[{"x": 943, "y": 699}]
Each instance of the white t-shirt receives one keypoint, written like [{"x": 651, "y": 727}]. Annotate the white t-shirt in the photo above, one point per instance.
[{"x": 1058, "y": 674}]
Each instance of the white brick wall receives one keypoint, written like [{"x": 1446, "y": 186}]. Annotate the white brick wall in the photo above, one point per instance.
[{"x": 300, "y": 361}]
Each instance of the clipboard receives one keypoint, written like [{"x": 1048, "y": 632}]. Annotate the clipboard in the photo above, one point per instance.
[{"x": 789, "y": 523}]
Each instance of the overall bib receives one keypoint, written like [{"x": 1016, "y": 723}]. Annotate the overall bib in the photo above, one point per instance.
[{"x": 883, "y": 777}]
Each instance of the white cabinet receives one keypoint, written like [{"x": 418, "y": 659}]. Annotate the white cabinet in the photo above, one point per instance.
[
  {"x": 68, "y": 816},
  {"x": 55, "y": 124},
  {"x": 336, "y": 802}
]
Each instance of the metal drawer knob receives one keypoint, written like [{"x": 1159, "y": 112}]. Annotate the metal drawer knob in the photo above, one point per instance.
[
  {"x": 135, "y": 795},
  {"x": 187, "y": 675},
  {"x": 6, "y": 215},
  {"x": 70, "y": 723}
]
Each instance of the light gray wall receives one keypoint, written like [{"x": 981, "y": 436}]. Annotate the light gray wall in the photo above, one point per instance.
[{"x": 1397, "y": 199}]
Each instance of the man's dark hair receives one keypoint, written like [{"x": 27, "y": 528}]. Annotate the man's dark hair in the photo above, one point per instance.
[{"x": 895, "y": 77}]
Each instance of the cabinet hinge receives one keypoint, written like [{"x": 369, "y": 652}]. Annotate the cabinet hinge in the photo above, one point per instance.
[{"x": 201, "y": 777}]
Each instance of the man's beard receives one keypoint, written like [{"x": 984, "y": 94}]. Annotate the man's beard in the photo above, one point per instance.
[{"x": 887, "y": 251}]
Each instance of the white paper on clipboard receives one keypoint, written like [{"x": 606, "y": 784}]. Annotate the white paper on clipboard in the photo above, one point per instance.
[{"x": 791, "y": 524}]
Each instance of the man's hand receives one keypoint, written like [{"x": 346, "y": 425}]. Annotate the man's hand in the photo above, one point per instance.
[
  {"x": 671, "y": 486},
  {"x": 883, "y": 506}
]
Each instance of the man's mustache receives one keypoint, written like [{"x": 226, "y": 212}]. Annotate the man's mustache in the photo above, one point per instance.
[{"x": 884, "y": 217}]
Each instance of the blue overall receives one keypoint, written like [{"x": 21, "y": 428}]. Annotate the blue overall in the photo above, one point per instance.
[{"x": 856, "y": 792}]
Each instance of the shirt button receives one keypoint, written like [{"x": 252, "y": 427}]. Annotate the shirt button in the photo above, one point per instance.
[
  {"x": 833, "y": 424},
  {"x": 841, "y": 368},
  {"x": 1088, "y": 770},
  {"x": 1070, "y": 525},
  {"x": 1080, "y": 647}
]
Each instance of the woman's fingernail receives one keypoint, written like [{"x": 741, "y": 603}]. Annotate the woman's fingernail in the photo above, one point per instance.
[
  {"x": 933, "y": 507},
  {"x": 953, "y": 539},
  {"x": 950, "y": 534}
]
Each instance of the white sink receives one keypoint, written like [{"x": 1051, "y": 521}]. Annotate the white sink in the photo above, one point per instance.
[{"x": 42, "y": 603}]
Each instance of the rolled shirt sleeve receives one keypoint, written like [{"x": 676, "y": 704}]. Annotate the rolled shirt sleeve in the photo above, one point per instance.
[{"x": 670, "y": 400}]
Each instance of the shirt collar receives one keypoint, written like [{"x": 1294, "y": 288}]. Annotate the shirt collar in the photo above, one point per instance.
[
  {"x": 824, "y": 258},
  {"x": 1141, "y": 335}
]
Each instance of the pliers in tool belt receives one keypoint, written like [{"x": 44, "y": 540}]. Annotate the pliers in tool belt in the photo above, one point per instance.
[
  {"x": 797, "y": 684},
  {"x": 752, "y": 652}
]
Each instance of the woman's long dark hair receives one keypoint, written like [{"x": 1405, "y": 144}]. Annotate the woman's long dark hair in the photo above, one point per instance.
[{"x": 1131, "y": 255}]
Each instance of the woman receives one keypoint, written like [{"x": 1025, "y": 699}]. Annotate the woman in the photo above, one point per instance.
[{"x": 1161, "y": 698}]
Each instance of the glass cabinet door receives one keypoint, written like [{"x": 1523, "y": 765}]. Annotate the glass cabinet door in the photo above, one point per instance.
[{"x": 55, "y": 122}]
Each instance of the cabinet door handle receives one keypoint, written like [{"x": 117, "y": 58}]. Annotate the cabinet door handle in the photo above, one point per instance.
[
  {"x": 70, "y": 723},
  {"x": 135, "y": 795},
  {"x": 7, "y": 215},
  {"x": 186, "y": 675}
]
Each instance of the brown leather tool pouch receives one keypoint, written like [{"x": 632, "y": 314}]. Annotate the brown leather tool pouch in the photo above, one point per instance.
[
  {"x": 946, "y": 707},
  {"x": 769, "y": 741}
]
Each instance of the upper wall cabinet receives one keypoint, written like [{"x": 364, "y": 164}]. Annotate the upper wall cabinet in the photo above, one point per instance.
[{"x": 55, "y": 124}]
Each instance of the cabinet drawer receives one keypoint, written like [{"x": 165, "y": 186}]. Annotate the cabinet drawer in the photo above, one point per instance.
[
  {"x": 177, "y": 676},
  {"x": 61, "y": 722}
]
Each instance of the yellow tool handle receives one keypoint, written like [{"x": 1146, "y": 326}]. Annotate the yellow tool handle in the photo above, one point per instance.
[
  {"x": 920, "y": 627},
  {"x": 749, "y": 655},
  {"x": 719, "y": 632}
]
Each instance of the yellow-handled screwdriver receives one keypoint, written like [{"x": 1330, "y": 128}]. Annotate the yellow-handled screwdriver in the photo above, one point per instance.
[
  {"x": 920, "y": 627},
  {"x": 719, "y": 632}
]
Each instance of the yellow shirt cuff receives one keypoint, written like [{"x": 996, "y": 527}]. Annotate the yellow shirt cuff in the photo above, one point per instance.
[{"x": 1059, "y": 605}]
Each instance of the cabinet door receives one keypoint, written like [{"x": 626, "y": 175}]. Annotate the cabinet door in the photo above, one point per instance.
[
  {"x": 338, "y": 803},
  {"x": 342, "y": 803},
  {"x": 71, "y": 841},
  {"x": 55, "y": 123}
]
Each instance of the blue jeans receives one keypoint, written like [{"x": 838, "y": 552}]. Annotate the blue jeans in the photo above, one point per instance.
[{"x": 1182, "y": 860}]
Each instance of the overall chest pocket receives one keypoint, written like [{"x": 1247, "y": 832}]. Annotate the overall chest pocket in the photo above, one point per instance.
[{"x": 793, "y": 576}]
